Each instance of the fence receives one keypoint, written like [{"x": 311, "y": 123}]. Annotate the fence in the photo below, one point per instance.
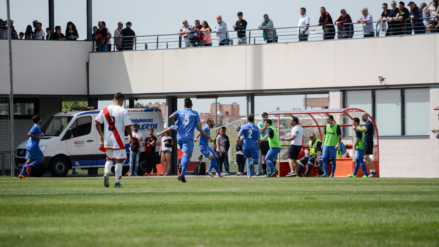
[{"x": 283, "y": 35}]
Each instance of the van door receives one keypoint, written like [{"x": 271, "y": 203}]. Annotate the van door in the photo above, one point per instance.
[{"x": 82, "y": 143}]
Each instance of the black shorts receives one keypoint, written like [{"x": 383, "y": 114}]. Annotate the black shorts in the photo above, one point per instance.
[
  {"x": 310, "y": 159},
  {"x": 294, "y": 151},
  {"x": 264, "y": 147},
  {"x": 368, "y": 148}
]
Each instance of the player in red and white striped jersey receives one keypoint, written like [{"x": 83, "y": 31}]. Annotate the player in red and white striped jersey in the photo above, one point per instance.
[{"x": 116, "y": 120}]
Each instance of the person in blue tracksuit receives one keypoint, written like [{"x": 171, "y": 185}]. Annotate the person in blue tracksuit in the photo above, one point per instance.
[{"x": 34, "y": 155}]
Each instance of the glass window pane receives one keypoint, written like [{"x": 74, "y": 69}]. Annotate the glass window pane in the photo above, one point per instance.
[
  {"x": 417, "y": 111},
  {"x": 81, "y": 127},
  {"x": 360, "y": 99},
  {"x": 388, "y": 112}
]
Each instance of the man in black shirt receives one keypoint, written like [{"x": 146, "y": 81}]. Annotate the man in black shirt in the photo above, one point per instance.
[
  {"x": 101, "y": 38},
  {"x": 392, "y": 19},
  {"x": 241, "y": 26},
  {"x": 151, "y": 164},
  {"x": 384, "y": 18},
  {"x": 127, "y": 43},
  {"x": 327, "y": 25},
  {"x": 405, "y": 26}
]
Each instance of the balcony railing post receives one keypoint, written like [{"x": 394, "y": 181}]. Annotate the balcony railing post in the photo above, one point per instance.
[
  {"x": 249, "y": 37},
  {"x": 179, "y": 41},
  {"x": 135, "y": 44},
  {"x": 157, "y": 42}
]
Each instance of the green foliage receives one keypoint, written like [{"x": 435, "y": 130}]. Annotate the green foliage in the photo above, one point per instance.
[
  {"x": 67, "y": 105},
  {"x": 139, "y": 105}
]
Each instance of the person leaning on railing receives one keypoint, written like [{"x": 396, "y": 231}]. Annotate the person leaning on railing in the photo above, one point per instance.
[
  {"x": 128, "y": 42},
  {"x": 382, "y": 20},
  {"x": 392, "y": 19},
  {"x": 367, "y": 20},
  {"x": 304, "y": 22},
  {"x": 327, "y": 25},
  {"x": 207, "y": 37},
  {"x": 185, "y": 30},
  {"x": 345, "y": 26},
  {"x": 404, "y": 20},
  {"x": 241, "y": 26},
  {"x": 269, "y": 32},
  {"x": 117, "y": 40},
  {"x": 416, "y": 17},
  {"x": 221, "y": 31},
  {"x": 58, "y": 35}
]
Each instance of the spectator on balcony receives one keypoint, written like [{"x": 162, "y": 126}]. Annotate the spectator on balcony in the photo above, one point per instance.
[
  {"x": 4, "y": 32},
  {"x": 425, "y": 19},
  {"x": 416, "y": 18},
  {"x": 207, "y": 34},
  {"x": 403, "y": 24},
  {"x": 367, "y": 20},
  {"x": 110, "y": 41},
  {"x": 431, "y": 12},
  {"x": 382, "y": 20},
  {"x": 268, "y": 30},
  {"x": 393, "y": 20},
  {"x": 14, "y": 34},
  {"x": 28, "y": 32},
  {"x": 71, "y": 32},
  {"x": 39, "y": 34},
  {"x": 345, "y": 26},
  {"x": 198, "y": 35},
  {"x": 21, "y": 35},
  {"x": 241, "y": 26},
  {"x": 34, "y": 24},
  {"x": 325, "y": 21},
  {"x": 128, "y": 42},
  {"x": 303, "y": 31},
  {"x": 48, "y": 34},
  {"x": 101, "y": 38},
  {"x": 117, "y": 40},
  {"x": 221, "y": 31},
  {"x": 58, "y": 35},
  {"x": 185, "y": 31}
]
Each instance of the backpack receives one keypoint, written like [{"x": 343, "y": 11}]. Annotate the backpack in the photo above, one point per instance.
[{"x": 200, "y": 167}]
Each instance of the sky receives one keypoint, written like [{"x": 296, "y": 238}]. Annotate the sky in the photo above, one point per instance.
[{"x": 165, "y": 17}]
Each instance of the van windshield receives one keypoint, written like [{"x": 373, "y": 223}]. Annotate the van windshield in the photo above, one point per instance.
[{"x": 56, "y": 125}]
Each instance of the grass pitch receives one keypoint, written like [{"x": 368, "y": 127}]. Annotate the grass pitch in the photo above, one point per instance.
[{"x": 219, "y": 212}]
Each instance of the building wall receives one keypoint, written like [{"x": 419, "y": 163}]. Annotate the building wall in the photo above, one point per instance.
[
  {"x": 346, "y": 63},
  {"x": 47, "y": 67}
]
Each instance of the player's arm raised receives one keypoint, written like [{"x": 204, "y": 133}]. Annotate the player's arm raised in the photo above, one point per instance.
[{"x": 199, "y": 125}]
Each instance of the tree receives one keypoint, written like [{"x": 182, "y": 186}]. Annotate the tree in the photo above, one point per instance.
[
  {"x": 67, "y": 105},
  {"x": 139, "y": 105}
]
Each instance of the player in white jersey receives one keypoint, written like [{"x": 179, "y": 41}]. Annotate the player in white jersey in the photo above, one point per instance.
[{"x": 116, "y": 120}]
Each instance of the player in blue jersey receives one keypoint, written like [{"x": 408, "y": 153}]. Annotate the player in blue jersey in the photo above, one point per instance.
[
  {"x": 34, "y": 155},
  {"x": 206, "y": 150},
  {"x": 187, "y": 121},
  {"x": 250, "y": 132}
]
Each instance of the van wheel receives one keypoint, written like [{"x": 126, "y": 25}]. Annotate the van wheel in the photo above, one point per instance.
[
  {"x": 59, "y": 167},
  {"x": 125, "y": 169}
]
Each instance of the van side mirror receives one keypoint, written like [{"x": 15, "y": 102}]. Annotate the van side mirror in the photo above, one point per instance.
[{"x": 68, "y": 135}]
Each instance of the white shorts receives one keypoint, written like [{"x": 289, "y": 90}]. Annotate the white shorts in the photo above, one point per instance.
[{"x": 120, "y": 154}]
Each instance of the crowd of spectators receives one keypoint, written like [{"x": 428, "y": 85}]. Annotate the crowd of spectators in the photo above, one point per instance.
[{"x": 399, "y": 19}]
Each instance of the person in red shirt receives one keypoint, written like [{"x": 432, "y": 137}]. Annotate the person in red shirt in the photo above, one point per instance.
[{"x": 150, "y": 143}]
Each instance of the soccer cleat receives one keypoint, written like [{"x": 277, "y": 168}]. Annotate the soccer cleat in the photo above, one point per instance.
[
  {"x": 273, "y": 173},
  {"x": 146, "y": 174},
  {"x": 183, "y": 179},
  {"x": 351, "y": 176},
  {"x": 106, "y": 181},
  {"x": 365, "y": 176},
  {"x": 372, "y": 174},
  {"x": 179, "y": 177},
  {"x": 332, "y": 175},
  {"x": 209, "y": 173},
  {"x": 291, "y": 174},
  {"x": 118, "y": 185},
  {"x": 28, "y": 169},
  {"x": 21, "y": 176},
  {"x": 127, "y": 173},
  {"x": 226, "y": 174},
  {"x": 258, "y": 174},
  {"x": 306, "y": 175},
  {"x": 324, "y": 175},
  {"x": 219, "y": 175},
  {"x": 318, "y": 167},
  {"x": 267, "y": 175}
]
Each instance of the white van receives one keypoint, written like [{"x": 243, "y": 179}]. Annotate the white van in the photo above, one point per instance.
[{"x": 72, "y": 141}]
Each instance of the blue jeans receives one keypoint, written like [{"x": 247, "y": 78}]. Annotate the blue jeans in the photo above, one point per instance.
[
  {"x": 134, "y": 159},
  {"x": 102, "y": 48},
  {"x": 223, "y": 159}
]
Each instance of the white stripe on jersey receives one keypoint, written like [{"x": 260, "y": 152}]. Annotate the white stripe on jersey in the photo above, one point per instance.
[{"x": 121, "y": 120}]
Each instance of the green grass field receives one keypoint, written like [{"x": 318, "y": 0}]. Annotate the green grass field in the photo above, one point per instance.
[{"x": 219, "y": 212}]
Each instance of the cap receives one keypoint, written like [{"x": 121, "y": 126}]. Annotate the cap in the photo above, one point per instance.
[
  {"x": 266, "y": 15},
  {"x": 343, "y": 11},
  {"x": 35, "y": 21},
  {"x": 411, "y": 2},
  {"x": 129, "y": 23}
]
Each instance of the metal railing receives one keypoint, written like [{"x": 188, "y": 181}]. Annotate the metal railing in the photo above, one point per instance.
[{"x": 256, "y": 36}]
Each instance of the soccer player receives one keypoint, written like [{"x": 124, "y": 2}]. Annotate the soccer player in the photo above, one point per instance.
[
  {"x": 251, "y": 138},
  {"x": 368, "y": 142},
  {"x": 116, "y": 121},
  {"x": 187, "y": 121},
  {"x": 295, "y": 146},
  {"x": 34, "y": 155},
  {"x": 314, "y": 152},
  {"x": 359, "y": 149},
  {"x": 206, "y": 150},
  {"x": 263, "y": 147},
  {"x": 331, "y": 142},
  {"x": 275, "y": 147}
]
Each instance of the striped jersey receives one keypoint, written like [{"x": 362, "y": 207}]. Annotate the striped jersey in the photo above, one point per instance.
[{"x": 114, "y": 118}]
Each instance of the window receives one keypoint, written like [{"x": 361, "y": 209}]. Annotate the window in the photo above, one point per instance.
[
  {"x": 388, "y": 112},
  {"x": 417, "y": 111},
  {"x": 81, "y": 127},
  {"x": 360, "y": 99},
  {"x": 23, "y": 108}
]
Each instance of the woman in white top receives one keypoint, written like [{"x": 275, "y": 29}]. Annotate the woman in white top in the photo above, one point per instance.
[{"x": 165, "y": 152}]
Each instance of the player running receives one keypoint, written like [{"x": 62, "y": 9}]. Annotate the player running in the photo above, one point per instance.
[
  {"x": 275, "y": 147},
  {"x": 116, "y": 121},
  {"x": 359, "y": 149},
  {"x": 34, "y": 155},
  {"x": 206, "y": 150},
  {"x": 251, "y": 139},
  {"x": 187, "y": 121}
]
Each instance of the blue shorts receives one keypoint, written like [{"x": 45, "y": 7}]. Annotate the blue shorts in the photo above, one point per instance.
[
  {"x": 253, "y": 153},
  {"x": 330, "y": 152},
  {"x": 359, "y": 154},
  {"x": 207, "y": 151},
  {"x": 272, "y": 153},
  {"x": 167, "y": 152},
  {"x": 186, "y": 146},
  {"x": 34, "y": 154}
]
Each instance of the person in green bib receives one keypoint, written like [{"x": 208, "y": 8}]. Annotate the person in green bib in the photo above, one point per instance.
[
  {"x": 273, "y": 140},
  {"x": 314, "y": 152},
  {"x": 359, "y": 147},
  {"x": 263, "y": 147},
  {"x": 331, "y": 142}
]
